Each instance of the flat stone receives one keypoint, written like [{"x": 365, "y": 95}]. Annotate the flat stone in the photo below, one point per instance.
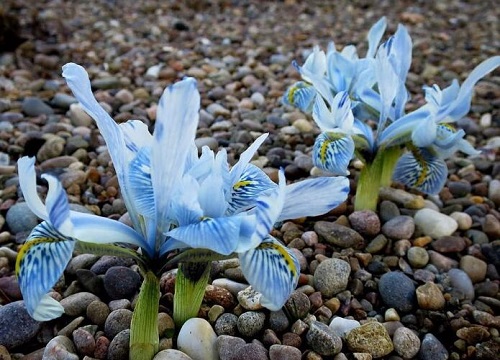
[
  {"x": 76, "y": 304},
  {"x": 341, "y": 326},
  {"x": 33, "y": 106},
  {"x": 371, "y": 338},
  {"x": 435, "y": 224},
  {"x": 339, "y": 235},
  {"x": 400, "y": 227},
  {"x": 17, "y": 326},
  {"x": 60, "y": 347}
]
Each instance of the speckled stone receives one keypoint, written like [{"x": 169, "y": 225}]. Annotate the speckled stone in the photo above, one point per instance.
[
  {"x": 331, "y": 276},
  {"x": 372, "y": 338},
  {"x": 406, "y": 343},
  {"x": 323, "y": 340},
  {"x": 16, "y": 327},
  {"x": 250, "y": 323}
]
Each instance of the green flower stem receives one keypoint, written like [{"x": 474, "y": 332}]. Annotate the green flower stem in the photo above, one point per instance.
[
  {"x": 144, "y": 338},
  {"x": 373, "y": 176},
  {"x": 190, "y": 283}
]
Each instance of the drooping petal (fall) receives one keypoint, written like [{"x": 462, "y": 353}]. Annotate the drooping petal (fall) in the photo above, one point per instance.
[
  {"x": 421, "y": 170},
  {"x": 272, "y": 270},
  {"x": 332, "y": 152}
]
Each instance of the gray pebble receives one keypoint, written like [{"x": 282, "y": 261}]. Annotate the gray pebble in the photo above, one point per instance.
[
  {"x": 279, "y": 352},
  {"x": 331, "y": 276},
  {"x": 19, "y": 218},
  {"x": 76, "y": 304},
  {"x": 278, "y": 321},
  {"x": 227, "y": 345},
  {"x": 60, "y": 347},
  {"x": 105, "y": 262},
  {"x": 461, "y": 284},
  {"x": 250, "y": 323},
  {"x": 388, "y": 210},
  {"x": 117, "y": 321},
  {"x": 121, "y": 282},
  {"x": 250, "y": 352},
  {"x": 406, "y": 342},
  {"x": 298, "y": 305},
  {"x": 17, "y": 327},
  {"x": 397, "y": 291},
  {"x": 432, "y": 349},
  {"x": 119, "y": 347},
  {"x": 323, "y": 340},
  {"x": 97, "y": 312},
  {"x": 339, "y": 235},
  {"x": 400, "y": 227},
  {"x": 110, "y": 82},
  {"x": 366, "y": 222},
  {"x": 90, "y": 281},
  {"x": 33, "y": 106},
  {"x": 226, "y": 324},
  {"x": 63, "y": 101},
  {"x": 84, "y": 342},
  {"x": 417, "y": 257}
]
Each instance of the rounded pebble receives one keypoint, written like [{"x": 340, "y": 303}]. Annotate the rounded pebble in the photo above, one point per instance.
[
  {"x": 121, "y": 282},
  {"x": 434, "y": 224},
  {"x": 399, "y": 227},
  {"x": 430, "y": 297},
  {"x": 397, "y": 291},
  {"x": 17, "y": 327},
  {"x": 332, "y": 276},
  {"x": 371, "y": 338},
  {"x": 197, "y": 339},
  {"x": 406, "y": 343},
  {"x": 117, "y": 321},
  {"x": 250, "y": 323},
  {"x": 323, "y": 339},
  {"x": 432, "y": 349}
]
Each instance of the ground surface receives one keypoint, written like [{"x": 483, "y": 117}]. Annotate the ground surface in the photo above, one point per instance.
[{"x": 240, "y": 52}]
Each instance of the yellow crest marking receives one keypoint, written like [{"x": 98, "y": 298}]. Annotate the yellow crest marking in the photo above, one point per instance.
[
  {"x": 286, "y": 256},
  {"x": 27, "y": 247},
  {"x": 242, "y": 183}
]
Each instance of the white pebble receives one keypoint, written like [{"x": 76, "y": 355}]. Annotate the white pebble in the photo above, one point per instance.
[
  {"x": 341, "y": 327},
  {"x": 197, "y": 340},
  {"x": 434, "y": 224}
]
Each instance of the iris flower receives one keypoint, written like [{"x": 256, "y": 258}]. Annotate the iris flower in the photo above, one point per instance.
[
  {"x": 343, "y": 91},
  {"x": 182, "y": 206}
]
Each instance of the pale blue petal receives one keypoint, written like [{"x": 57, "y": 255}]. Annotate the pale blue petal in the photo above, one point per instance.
[
  {"x": 300, "y": 95},
  {"x": 27, "y": 182},
  {"x": 320, "y": 82},
  {"x": 350, "y": 53},
  {"x": 170, "y": 245},
  {"x": 341, "y": 107},
  {"x": 424, "y": 133},
  {"x": 175, "y": 131},
  {"x": 333, "y": 152},
  {"x": 400, "y": 131},
  {"x": 314, "y": 197},
  {"x": 101, "y": 230},
  {"x": 341, "y": 71},
  {"x": 211, "y": 196},
  {"x": 363, "y": 129},
  {"x": 375, "y": 35},
  {"x": 136, "y": 136},
  {"x": 421, "y": 170},
  {"x": 267, "y": 209},
  {"x": 322, "y": 115},
  {"x": 272, "y": 270},
  {"x": 465, "y": 93},
  {"x": 245, "y": 157},
  {"x": 252, "y": 183},
  {"x": 315, "y": 62},
  {"x": 58, "y": 206},
  {"x": 221, "y": 235},
  {"x": 40, "y": 263},
  {"x": 186, "y": 209},
  {"x": 388, "y": 83},
  {"x": 141, "y": 186}
]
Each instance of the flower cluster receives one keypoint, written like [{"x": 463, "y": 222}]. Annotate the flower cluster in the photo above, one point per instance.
[
  {"x": 176, "y": 200},
  {"x": 343, "y": 91}
]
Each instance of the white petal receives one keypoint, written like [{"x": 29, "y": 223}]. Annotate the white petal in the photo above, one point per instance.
[
  {"x": 245, "y": 157},
  {"x": 58, "y": 206},
  {"x": 27, "y": 182}
]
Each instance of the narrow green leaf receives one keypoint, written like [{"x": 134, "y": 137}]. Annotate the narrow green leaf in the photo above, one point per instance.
[
  {"x": 109, "y": 249},
  {"x": 190, "y": 283},
  {"x": 144, "y": 338}
]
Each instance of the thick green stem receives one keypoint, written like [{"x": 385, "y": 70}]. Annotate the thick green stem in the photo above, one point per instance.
[
  {"x": 144, "y": 328},
  {"x": 373, "y": 176},
  {"x": 190, "y": 283}
]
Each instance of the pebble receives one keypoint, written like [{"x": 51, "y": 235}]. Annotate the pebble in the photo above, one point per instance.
[
  {"x": 377, "y": 244},
  {"x": 434, "y": 224},
  {"x": 441, "y": 262},
  {"x": 227, "y": 345},
  {"x": 250, "y": 323},
  {"x": 449, "y": 244},
  {"x": 494, "y": 191},
  {"x": 117, "y": 321},
  {"x": 33, "y": 106},
  {"x": 121, "y": 282},
  {"x": 278, "y": 321},
  {"x": 365, "y": 222},
  {"x": 298, "y": 305},
  {"x": 78, "y": 116},
  {"x": 473, "y": 334},
  {"x": 397, "y": 291},
  {"x": 105, "y": 262},
  {"x": 19, "y": 218},
  {"x": 323, "y": 340},
  {"x": 432, "y": 349},
  {"x": 461, "y": 283},
  {"x": 463, "y": 220},
  {"x": 474, "y": 267},
  {"x": 76, "y": 304},
  {"x": 339, "y": 235},
  {"x": 491, "y": 227},
  {"x": 342, "y": 326},
  {"x": 388, "y": 210},
  {"x": 17, "y": 327},
  {"x": 249, "y": 299},
  {"x": 84, "y": 342},
  {"x": 171, "y": 354},
  {"x": 197, "y": 339},
  {"x": 250, "y": 351},
  {"x": 430, "y": 297},
  {"x": 63, "y": 101},
  {"x": 119, "y": 347},
  {"x": 332, "y": 276},
  {"x": 280, "y": 352},
  {"x": 400, "y": 227},
  {"x": 212, "y": 143},
  {"x": 60, "y": 347},
  {"x": 371, "y": 338},
  {"x": 226, "y": 324},
  {"x": 406, "y": 343},
  {"x": 417, "y": 257}
]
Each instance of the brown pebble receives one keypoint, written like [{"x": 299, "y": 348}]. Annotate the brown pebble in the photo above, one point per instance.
[
  {"x": 474, "y": 334},
  {"x": 220, "y": 296},
  {"x": 448, "y": 244},
  {"x": 292, "y": 339},
  {"x": 430, "y": 297}
]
